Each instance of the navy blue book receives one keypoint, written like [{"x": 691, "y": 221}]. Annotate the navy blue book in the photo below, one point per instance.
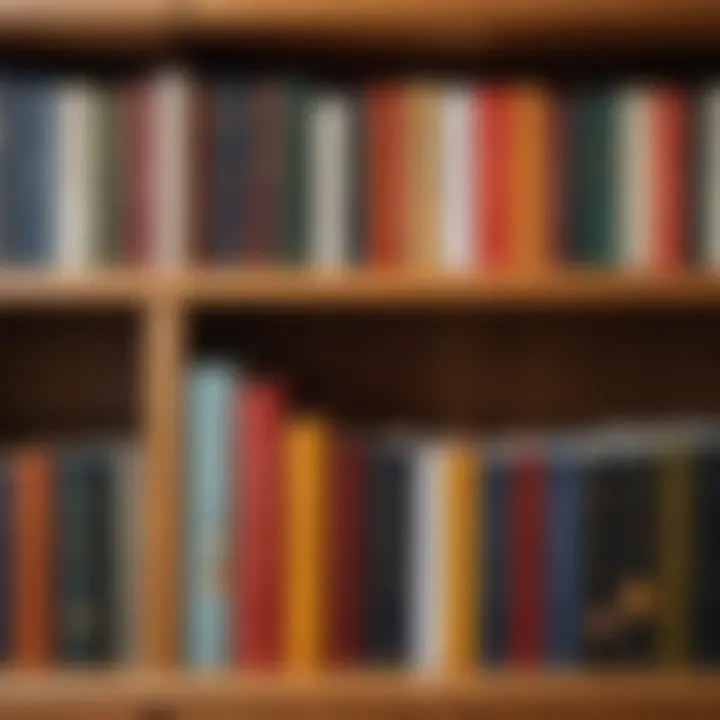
[
  {"x": 30, "y": 157},
  {"x": 705, "y": 584},
  {"x": 563, "y": 602},
  {"x": 387, "y": 572},
  {"x": 5, "y": 569},
  {"x": 85, "y": 570},
  {"x": 493, "y": 545},
  {"x": 231, "y": 138}
]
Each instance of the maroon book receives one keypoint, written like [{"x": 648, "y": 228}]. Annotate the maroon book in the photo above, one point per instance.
[
  {"x": 346, "y": 560},
  {"x": 136, "y": 172},
  {"x": 260, "y": 408},
  {"x": 525, "y": 555}
]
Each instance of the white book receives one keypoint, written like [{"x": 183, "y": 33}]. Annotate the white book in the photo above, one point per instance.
[
  {"x": 330, "y": 205},
  {"x": 457, "y": 187},
  {"x": 76, "y": 156},
  {"x": 170, "y": 148},
  {"x": 634, "y": 179},
  {"x": 426, "y": 534},
  {"x": 710, "y": 182}
]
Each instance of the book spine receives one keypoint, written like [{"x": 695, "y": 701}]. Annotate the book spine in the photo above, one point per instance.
[
  {"x": 385, "y": 181},
  {"x": 170, "y": 132},
  {"x": 6, "y": 548},
  {"x": 525, "y": 553},
  {"x": 422, "y": 158},
  {"x": 31, "y": 575},
  {"x": 634, "y": 181},
  {"x": 670, "y": 178},
  {"x": 346, "y": 519},
  {"x": 493, "y": 543},
  {"x": 83, "y": 532},
  {"x": 73, "y": 223},
  {"x": 563, "y": 555},
  {"x": 388, "y": 572},
  {"x": 425, "y": 596},
  {"x": 457, "y": 186},
  {"x": 307, "y": 457},
  {"x": 458, "y": 578},
  {"x": 329, "y": 172},
  {"x": 259, "y": 476},
  {"x": 494, "y": 232},
  {"x": 208, "y": 413}
]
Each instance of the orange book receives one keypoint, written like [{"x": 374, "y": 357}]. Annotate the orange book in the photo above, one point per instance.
[
  {"x": 530, "y": 184},
  {"x": 422, "y": 175},
  {"x": 669, "y": 175},
  {"x": 384, "y": 123},
  {"x": 31, "y": 533},
  {"x": 306, "y": 477}
]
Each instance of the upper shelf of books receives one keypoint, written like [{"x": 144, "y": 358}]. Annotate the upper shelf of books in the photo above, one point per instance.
[{"x": 455, "y": 25}]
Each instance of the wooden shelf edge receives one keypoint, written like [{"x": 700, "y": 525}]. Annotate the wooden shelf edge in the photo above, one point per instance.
[
  {"x": 506, "y": 687},
  {"x": 303, "y": 289}
]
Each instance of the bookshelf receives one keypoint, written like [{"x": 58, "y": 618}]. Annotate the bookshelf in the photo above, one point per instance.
[{"x": 132, "y": 329}]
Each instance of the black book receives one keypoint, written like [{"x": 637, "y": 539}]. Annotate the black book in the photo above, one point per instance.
[
  {"x": 388, "y": 489},
  {"x": 84, "y": 541}
]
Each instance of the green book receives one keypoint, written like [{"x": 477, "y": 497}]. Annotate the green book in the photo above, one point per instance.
[
  {"x": 294, "y": 241},
  {"x": 594, "y": 187}
]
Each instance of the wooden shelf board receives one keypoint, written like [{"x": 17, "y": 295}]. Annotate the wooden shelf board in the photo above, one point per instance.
[
  {"x": 288, "y": 289},
  {"x": 463, "y": 24},
  {"x": 506, "y": 687}
]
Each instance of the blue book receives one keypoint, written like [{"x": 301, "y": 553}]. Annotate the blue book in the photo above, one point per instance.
[
  {"x": 5, "y": 530},
  {"x": 30, "y": 160},
  {"x": 494, "y": 471},
  {"x": 230, "y": 167},
  {"x": 210, "y": 387},
  {"x": 563, "y": 601}
]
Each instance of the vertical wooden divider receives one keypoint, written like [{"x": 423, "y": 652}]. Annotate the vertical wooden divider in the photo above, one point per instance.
[{"x": 163, "y": 351}]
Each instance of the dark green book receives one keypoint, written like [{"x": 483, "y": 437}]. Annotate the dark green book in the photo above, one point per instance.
[
  {"x": 593, "y": 190},
  {"x": 85, "y": 569},
  {"x": 295, "y": 232}
]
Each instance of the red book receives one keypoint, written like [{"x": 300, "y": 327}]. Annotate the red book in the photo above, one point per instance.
[
  {"x": 136, "y": 172},
  {"x": 385, "y": 137},
  {"x": 260, "y": 407},
  {"x": 525, "y": 553},
  {"x": 345, "y": 562},
  {"x": 669, "y": 155},
  {"x": 493, "y": 248}
]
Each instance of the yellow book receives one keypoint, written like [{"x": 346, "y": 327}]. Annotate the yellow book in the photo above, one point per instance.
[
  {"x": 306, "y": 473},
  {"x": 674, "y": 544},
  {"x": 422, "y": 175},
  {"x": 461, "y": 526},
  {"x": 530, "y": 178}
]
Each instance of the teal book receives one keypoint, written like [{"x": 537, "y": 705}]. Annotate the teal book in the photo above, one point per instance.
[
  {"x": 85, "y": 557},
  {"x": 594, "y": 167},
  {"x": 295, "y": 198},
  {"x": 209, "y": 398}
]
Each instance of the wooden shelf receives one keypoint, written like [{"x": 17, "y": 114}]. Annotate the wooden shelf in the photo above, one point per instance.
[
  {"x": 463, "y": 24},
  {"x": 287, "y": 289},
  {"x": 512, "y": 689}
]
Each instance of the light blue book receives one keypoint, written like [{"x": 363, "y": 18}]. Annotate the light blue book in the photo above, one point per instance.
[
  {"x": 209, "y": 417},
  {"x": 563, "y": 601}
]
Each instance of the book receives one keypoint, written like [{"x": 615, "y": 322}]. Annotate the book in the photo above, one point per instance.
[
  {"x": 84, "y": 536},
  {"x": 704, "y": 164},
  {"x": 32, "y": 597},
  {"x": 260, "y": 406},
  {"x": 347, "y": 518},
  {"x": 209, "y": 396},
  {"x": 526, "y": 539},
  {"x": 388, "y": 527},
  {"x": 307, "y": 457},
  {"x": 458, "y": 177},
  {"x": 562, "y": 600},
  {"x": 329, "y": 172},
  {"x": 384, "y": 119},
  {"x": 6, "y": 550}
]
